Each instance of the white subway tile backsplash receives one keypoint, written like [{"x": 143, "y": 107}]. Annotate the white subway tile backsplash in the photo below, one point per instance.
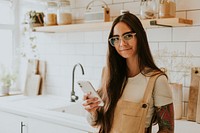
[
  {"x": 176, "y": 77},
  {"x": 159, "y": 34},
  {"x": 55, "y": 81},
  {"x": 181, "y": 64},
  {"x": 181, "y": 14},
  {"x": 53, "y": 59},
  {"x": 82, "y": 3},
  {"x": 115, "y": 9},
  {"x": 187, "y": 4},
  {"x": 67, "y": 49},
  {"x": 163, "y": 62},
  {"x": 193, "y": 16},
  {"x": 84, "y": 49},
  {"x": 95, "y": 61},
  {"x": 41, "y": 37},
  {"x": 68, "y": 60},
  {"x": 94, "y": 36},
  {"x": 153, "y": 47},
  {"x": 98, "y": 2},
  {"x": 187, "y": 78},
  {"x": 45, "y": 37},
  {"x": 93, "y": 73},
  {"x": 50, "y": 48},
  {"x": 186, "y": 33},
  {"x": 74, "y": 59},
  {"x": 120, "y": 1},
  {"x": 75, "y": 37},
  {"x": 195, "y": 61},
  {"x": 53, "y": 70},
  {"x": 133, "y": 7},
  {"x": 176, "y": 49},
  {"x": 193, "y": 49},
  {"x": 172, "y": 48},
  {"x": 61, "y": 38},
  {"x": 100, "y": 48},
  {"x": 105, "y": 36}
]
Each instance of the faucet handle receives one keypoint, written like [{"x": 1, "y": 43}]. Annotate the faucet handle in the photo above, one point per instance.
[{"x": 74, "y": 98}]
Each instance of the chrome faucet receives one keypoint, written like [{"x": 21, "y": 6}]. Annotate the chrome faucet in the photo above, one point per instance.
[{"x": 73, "y": 96}]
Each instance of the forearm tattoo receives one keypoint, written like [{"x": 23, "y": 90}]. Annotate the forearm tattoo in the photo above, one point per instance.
[{"x": 165, "y": 118}]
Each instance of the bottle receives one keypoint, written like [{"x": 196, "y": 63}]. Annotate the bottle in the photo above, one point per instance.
[
  {"x": 167, "y": 9},
  {"x": 64, "y": 15},
  {"x": 148, "y": 9},
  {"x": 50, "y": 14}
]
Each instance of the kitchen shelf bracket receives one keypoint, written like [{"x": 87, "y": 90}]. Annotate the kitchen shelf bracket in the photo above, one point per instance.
[{"x": 154, "y": 23}]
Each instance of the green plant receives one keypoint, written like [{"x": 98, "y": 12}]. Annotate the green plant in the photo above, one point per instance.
[
  {"x": 28, "y": 48},
  {"x": 7, "y": 78},
  {"x": 31, "y": 16},
  {"x": 34, "y": 18}
]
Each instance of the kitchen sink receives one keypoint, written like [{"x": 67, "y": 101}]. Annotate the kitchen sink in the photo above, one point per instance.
[{"x": 74, "y": 109}]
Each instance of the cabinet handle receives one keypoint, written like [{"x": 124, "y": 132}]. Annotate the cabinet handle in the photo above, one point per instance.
[{"x": 22, "y": 125}]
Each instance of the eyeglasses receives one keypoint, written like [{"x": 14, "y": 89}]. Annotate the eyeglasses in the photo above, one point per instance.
[{"x": 116, "y": 40}]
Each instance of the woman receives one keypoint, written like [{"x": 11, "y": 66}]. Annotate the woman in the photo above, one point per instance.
[{"x": 129, "y": 67}]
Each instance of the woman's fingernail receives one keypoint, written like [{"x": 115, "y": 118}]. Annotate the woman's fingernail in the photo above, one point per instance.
[{"x": 95, "y": 98}]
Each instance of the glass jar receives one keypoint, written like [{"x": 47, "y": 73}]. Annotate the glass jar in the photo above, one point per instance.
[
  {"x": 64, "y": 15},
  {"x": 50, "y": 14},
  {"x": 148, "y": 9},
  {"x": 167, "y": 9}
]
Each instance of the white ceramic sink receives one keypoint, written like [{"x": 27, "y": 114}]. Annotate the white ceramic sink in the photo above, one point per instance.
[{"x": 74, "y": 109}]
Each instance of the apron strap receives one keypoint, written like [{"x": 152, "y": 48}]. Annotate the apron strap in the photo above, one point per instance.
[{"x": 150, "y": 87}]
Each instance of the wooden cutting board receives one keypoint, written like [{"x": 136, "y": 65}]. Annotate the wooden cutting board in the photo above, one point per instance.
[
  {"x": 32, "y": 67},
  {"x": 177, "y": 99},
  {"x": 193, "y": 94},
  {"x": 32, "y": 82},
  {"x": 42, "y": 73},
  {"x": 198, "y": 107},
  {"x": 33, "y": 85}
]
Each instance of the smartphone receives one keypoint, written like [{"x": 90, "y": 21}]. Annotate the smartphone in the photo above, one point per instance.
[{"x": 87, "y": 87}]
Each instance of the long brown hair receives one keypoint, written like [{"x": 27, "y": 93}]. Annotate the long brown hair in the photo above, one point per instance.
[{"x": 116, "y": 77}]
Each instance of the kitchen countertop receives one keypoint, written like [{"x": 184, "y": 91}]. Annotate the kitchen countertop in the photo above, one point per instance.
[{"x": 40, "y": 107}]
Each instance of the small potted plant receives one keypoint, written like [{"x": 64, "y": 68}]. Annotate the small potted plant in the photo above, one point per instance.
[
  {"x": 34, "y": 18},
  {"x": 7, "y": 78},
  {"x": 28, "y": 48}
]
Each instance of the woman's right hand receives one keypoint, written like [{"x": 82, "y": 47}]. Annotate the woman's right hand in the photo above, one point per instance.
[{"x": 90, "y": 104}]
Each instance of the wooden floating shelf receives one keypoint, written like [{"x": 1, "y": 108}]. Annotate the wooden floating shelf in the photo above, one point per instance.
[
  {"x": 168, "y": 22},
  {"x": 75, "y": 27},
  {"x": 148, "y": 23}
]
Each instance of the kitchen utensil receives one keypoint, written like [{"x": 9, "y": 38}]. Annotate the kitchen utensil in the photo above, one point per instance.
[
  {"x": 193, "y": 94},
  {"x": 177, "y": 99},
  {"x": 198, "y": 107},
  {"x": 42, "y": 73},
  {"x": 32, "y": 83}
]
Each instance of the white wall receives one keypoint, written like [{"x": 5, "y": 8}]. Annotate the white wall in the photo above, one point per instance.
[{"x": 175, "y": 48}]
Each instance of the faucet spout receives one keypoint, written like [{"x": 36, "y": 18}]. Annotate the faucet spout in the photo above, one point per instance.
[{"x": 73, "y": 96}]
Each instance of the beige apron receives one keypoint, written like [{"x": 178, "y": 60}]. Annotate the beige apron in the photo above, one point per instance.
[{"x": 130, "y": 117}]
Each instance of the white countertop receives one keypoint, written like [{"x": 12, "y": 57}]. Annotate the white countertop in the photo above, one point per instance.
[{"x": 40, "y": 107}]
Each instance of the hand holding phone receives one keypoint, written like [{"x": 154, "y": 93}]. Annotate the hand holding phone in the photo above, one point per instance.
[{"x": 87, "y": 87}]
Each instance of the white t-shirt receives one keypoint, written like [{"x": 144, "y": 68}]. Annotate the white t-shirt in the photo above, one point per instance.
[
  {"x": 134, "y": 91},
  {"x": 136, "y": 86}
]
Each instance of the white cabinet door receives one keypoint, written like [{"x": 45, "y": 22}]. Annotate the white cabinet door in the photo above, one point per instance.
[
  {"x": 11, "y": 123},
  {"x": 39, "y": 126}
]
